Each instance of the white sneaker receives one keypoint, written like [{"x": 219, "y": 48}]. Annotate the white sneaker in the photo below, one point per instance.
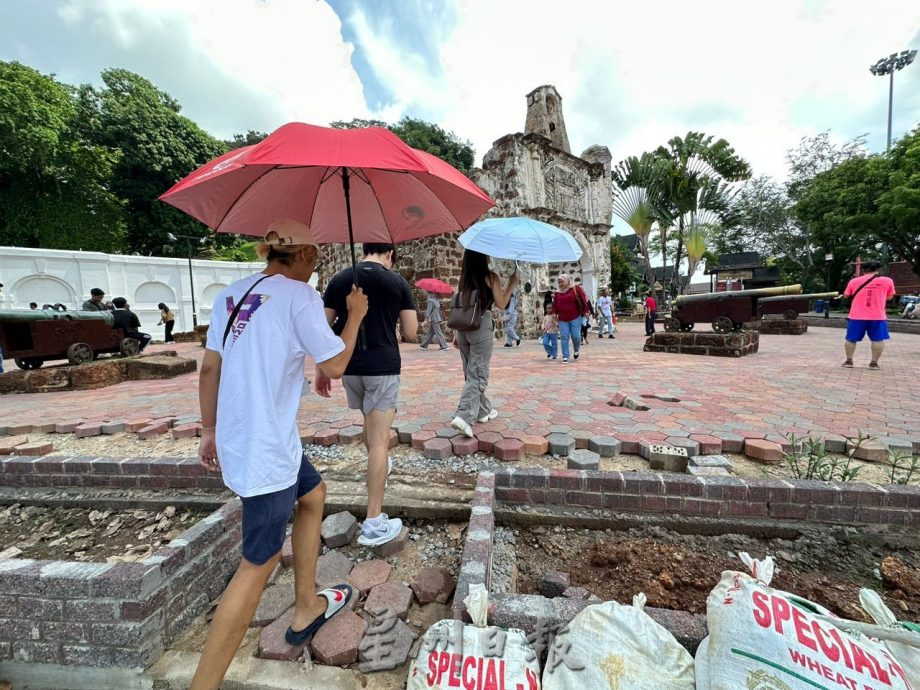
[
  {"x": 460, "y": 425},
  {"x": 389, "y": 466},
  {"x": 387, "y": 530},
  {"x": 493, "y": 413}
]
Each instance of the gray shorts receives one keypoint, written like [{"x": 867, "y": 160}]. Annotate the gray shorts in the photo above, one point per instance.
[{"x": 369, "y": 393}]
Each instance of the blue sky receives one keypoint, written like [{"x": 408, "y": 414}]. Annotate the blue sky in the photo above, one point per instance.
[{"x": 631, "y": 75}]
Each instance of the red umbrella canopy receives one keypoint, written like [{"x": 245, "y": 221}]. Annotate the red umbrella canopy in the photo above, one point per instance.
[
  {"x": 434, "y": 285},
  {"x": 396, "y": 193}
]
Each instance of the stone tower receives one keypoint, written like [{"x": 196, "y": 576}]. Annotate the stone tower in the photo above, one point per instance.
[{"x": 544, "y": 116}]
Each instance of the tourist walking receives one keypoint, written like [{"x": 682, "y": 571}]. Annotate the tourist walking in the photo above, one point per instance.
[
  {"x": 371, "y": 380},
  {"x": 586, "y": 322},
  {"x": 251, "y": 381},
  {"x": 167, "y": 320},
  {"x": 869, "y": 293},
  {"x": 605, "y": 314},
  {"x": 651, "y": 313},
  {"x": 95, "y": 301},
  {"x": 433, "y": 317},
  {"x": 127, "y": 321},
  {"x": 478, "y": 282},
  {"x": 570, "y": 305},
  {"x": 550, "y": 332},
  {"x": 511, "y": 336}
]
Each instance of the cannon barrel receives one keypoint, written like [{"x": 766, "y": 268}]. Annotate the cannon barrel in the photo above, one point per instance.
[
  {"x": 813, "y": 295},
  {"x": 24, "y": 315},
  {"x": 739, "y": 294}
]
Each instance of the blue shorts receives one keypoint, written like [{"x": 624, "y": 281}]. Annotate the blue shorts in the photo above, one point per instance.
[
  {"x": 265, "y": 517},
  {"x": 858, "y": 328}
]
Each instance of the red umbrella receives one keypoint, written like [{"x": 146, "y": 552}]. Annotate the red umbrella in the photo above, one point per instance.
[
  {"x": 348, "y": 185},
  {"x": 434, "y": 285}
]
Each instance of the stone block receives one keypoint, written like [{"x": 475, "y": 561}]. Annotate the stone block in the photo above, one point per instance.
[
  {"x": 159, "y": 367},
  {"x": 404, "y": 431},
  {"x": 763, "y": 450},
  {"x": 87, "y": 430},
  {"x": 339, "y": 529},
  {"x": 390, "y": 595},
  {"x": 635, "y": 404},
  {"x": 18, "y": 429},
  {"x": 871, "y": 450},
  {"x": 276, "y": 599},
  {"x": 707, "y": 471},
  {"x": 535, "y": 445},
  {"x": 560, "y": 444},
  {"x": 438, "y": 448},
  {"x": 185, "y": 430},
  {"x": 508, "y": 449},
  {"x": 399, "y": 639},
  {"x": 605, "y": 446},
  {"x": 153, "y": 430},
  {"x": 33, "y": 449},
  {"x": 367, "y": 575},
  {"x": 667, "y": 458},
  {"x": 554, "y": 583},
  {"x": 326, "y": 437},
  {"x": 333, "y": 568},
  {"x": 351, "y": 434},
  {"x": 336, "y": 643},
  {"x": 617, "y": 400},
  {"x": 8, "y": 443},
  {"x": 433, "y": 584},
  {"x": 710, "y": 461},
  {"x": 110, "y": 428},
  {"x": 64, "y": 427},
  {"x": 464, "y": 446},
  {"x": 393, "y": 547},
  {"x": 134, "y": 425},
  {"x": 583, "y": 459},
  {"x": 272, "y": 644}
]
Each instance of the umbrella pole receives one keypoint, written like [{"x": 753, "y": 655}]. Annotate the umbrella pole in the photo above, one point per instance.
[{"x": 346, "y": 188}]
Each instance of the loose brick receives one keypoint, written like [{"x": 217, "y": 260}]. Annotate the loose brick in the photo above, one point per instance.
[
  {"x": 135, "y": 425},
  {"x": 393, "y": 547},
  {"x": 582, "y": 437},
  {"x": 438, "y": 448},
  {"x": 487, "y": 440},
  {"x": 339, "y": 529},
  {"x": 710, "y": 461},
  {"x": 617, "y": 400},
  {"x": 351, "y": 434},
  {"x": 336, "y": 643},
  {"x": 763, "y": 450},
  {"x": 560, "y": 444},
  {"x": 433, "y": 584},
  {"x": 367, "y": 575},
  {"x": 19, "y": 429},
  {"x": 554, "y": 583},
  {"x": 272, "y": 644},
  {"x": 66, "y": 427},
  {"x": 419, "y": 438},
  {"x": 326, "y": 437},
  {"x": 112, "y": 428},
  {"x": 871, "y": 450},
  {"x": 8, "y": 443},
  {"x": 708, "y": 445},
  {"x": 152, "y": 430},
  {"x": 185, "y": 430},
  {"x": 275, "y": 600},
  {"x": 34, "y": 449},
  {"x": 668, "y": 458},
  {"x": 333, "y": 568},
  {"x": 535, "y": 445},
  {"x": 605, "y": 446},
  {"x": 86, "y": 430},
  {"x": 405, "y": 430},
  {"x": 464, "y": 446},
  {"x": 508, "y": 449},
  {"x": 583, "y": 459},
  {"x": 400, "y": 639},
  {"x": 390, "y": 595}
]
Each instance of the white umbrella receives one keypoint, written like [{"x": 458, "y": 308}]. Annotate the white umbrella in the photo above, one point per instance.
[{"x": 521, "y": 239}]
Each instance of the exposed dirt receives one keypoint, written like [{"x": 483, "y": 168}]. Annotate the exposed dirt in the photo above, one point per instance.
[
  {"x": 678, "y": 571},
  {"x": 79, "y": 534}
]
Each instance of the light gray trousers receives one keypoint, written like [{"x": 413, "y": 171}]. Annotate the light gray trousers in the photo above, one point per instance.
[
  {"x": 434, "y": 331},
  {"x": 476, "y": 353}
]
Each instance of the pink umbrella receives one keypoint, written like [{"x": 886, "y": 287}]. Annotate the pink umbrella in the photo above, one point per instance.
[{"x": 434, "y": 285}]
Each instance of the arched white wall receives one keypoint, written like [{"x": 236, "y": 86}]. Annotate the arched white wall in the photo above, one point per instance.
[{"x": 42, "y": 289}]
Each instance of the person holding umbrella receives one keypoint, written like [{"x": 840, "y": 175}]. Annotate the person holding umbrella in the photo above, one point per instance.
[
  {"x": 262, "y": 328},
  {"x": 433, "y": 317},
  {"x": 476, "y": 345}
]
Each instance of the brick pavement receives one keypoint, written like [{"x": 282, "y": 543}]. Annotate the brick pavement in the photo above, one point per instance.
[{"x": 794, "y": 384}]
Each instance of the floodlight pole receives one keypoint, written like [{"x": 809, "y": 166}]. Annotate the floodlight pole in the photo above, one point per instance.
[
  {"x": 888, "y": 66},
  {"x": 890, "y": 108}
]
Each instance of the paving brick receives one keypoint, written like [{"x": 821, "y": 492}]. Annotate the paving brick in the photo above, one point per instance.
[
  {"x": 367, "y": 575},
  {"x": 709, "y": 445},
  {"x": 65, "y": 427},
  {"x": 583, "y": 459},
  {"x": 393, "y": 439},
  {"x": 390, "y": 595},
  {"x": 763, "y": 450},
  {"x": 185, "y": 430},
  {"x": 393, "y": 547},
  {"x": 306, "y": 437},
  {"x": 8, "y": 443},
  {"x": 153, "y": 430},
  {"x": 508, "y": 449},
  {"x": 420, "y": 437},
  {"x": 438, "y": 448},
  {"x": 871, "y": 450},
  {"x": 399, "y": 643},
  {"x": 326, "y": 437},
  {"x": 339, "y": 529},
  {"x": 276, "y": 599},
  {"x": 333, "y": 568},
  {"x": 446, "y": 432},
  {"x": 18, "y": 429},
  {"x": 33, "y": 449},
  {"x": 731, "y": 443},
  {"x": 582, "y": 437},
  {"x": 617, "y": 400},
  {"x": 464, "y": 446},
  {"x": 667, "y": 458},
  {"x": 535, "y": 445},
  {"x": 135, "y": 425},
  {"x": 351, "y": 434},
  {"x": 635, "y": 404},
  {"x": 689, "y": 445},
  {"x": 710, "y": 461},
  {"x": 336, "y": 643},
  {"x": 272, "y": 644},
  {"x": 560, "y": 444},
  {"x": 404, "y": 431},
  {"x": 109, "y": 428},
  {"x": 86, "y": 430},
  {"x": 605, "y": 446},
  {"x": 433, "y": 584},
  {"x": 554, "y": 583},
  {"x": 707, "y": 471},
  {"x": 487, "y": 440}
]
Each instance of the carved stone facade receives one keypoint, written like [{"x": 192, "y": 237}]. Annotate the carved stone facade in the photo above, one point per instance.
[{"x": 529, "y": 174}]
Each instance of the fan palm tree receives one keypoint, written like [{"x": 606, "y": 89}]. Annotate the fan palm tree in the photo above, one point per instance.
[
  {"x": 634, "y": 202},
  {"x": 697, "y": 239}
]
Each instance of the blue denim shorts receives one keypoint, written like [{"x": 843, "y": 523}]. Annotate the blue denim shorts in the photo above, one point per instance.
[
  {"x": 265, "y": 517},
  {"x": 857, "y": 329}
]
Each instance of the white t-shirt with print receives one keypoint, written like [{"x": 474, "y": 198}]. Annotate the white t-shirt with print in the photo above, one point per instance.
[
  {"x": 262, "y": 378},
  {"x": 604, "y": 304}
]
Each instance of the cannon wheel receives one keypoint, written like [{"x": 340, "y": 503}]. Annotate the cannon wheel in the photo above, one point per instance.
[
  {"x": 27, "y": 363},
  {"x": 686, "y": 327},
  {"x": 78, "y": 353},
  {"x": 672, "y": 324},
  {"x": 723, "y": 324},
  {"x": 790, "y": 314},
  {"x": 128, "y": 347}
]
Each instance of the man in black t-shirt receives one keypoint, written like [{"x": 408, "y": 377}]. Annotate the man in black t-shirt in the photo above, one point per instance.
[
  {"x": 371, "y": 380},
  {"x": 127, "y": 321}
]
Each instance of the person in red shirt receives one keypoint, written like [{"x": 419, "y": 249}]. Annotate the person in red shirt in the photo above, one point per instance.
[
  {"x": 651, "y": 313},
  {"x": 870, "y": 293},
  {"x": 570, "y": 304}
]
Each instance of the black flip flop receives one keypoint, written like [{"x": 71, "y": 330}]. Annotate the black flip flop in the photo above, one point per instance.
[{"x": 337, "y": 598}]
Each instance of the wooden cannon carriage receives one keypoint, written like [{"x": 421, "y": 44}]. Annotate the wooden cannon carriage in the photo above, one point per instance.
[
  {"x": 727, "y": 311},
  {"x": 35, "y": 336}
]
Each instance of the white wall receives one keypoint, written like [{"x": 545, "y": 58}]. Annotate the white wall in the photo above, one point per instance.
[{"x": 53, "y": 275}]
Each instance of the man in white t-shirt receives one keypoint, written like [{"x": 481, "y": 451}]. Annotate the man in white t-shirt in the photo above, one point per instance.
[
  {"x": 605, "y": 314},
  {"x": 252, "y": 376}
]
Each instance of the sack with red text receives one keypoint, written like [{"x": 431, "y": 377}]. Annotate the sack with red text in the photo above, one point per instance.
[
  {"x": 610, "y": 646},
  {"x": 766, "y": 639},
  {"x": 452, "y": 654},
  {"x": 902, "y": 639}
]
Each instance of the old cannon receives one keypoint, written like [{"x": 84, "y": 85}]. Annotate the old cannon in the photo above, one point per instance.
[
  {"x": 790, "y": 306},
  {"x": 34, "y": 336}
]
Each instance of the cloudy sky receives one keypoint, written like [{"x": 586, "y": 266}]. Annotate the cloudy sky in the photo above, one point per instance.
[{"x": 631, "y": 75}]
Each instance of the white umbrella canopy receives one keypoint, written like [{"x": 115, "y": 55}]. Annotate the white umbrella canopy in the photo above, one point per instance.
[{"x": 521, "y": 239}]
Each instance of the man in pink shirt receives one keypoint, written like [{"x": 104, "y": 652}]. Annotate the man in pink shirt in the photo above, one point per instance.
[{"x": 870, "y": 292}]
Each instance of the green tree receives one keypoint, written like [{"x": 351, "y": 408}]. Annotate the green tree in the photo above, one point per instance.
[
  {"x": 623, "y": 274},
  {"x": 54, "y": 183},
  {"x": 899, "y": 205},
  {"x": 358, "y": 123},
  {"x": 250, "y": 138},
  {"x": 159, "y": 146}
]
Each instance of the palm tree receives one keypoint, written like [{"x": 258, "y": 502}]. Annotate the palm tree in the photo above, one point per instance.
[
  {"x": 633, "y": 202},
  {"x": 697, "y": 239}
]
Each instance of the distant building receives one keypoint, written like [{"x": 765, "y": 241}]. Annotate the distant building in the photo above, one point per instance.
[
  {"x": 906, "y": 282},
  {"x": 741, "y": 271}
]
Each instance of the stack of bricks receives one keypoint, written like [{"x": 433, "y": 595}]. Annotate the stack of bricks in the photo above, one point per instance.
[
  {"x": 737, "y": 344},
  {"x": 116, "y": 614},
  {"x": 477, "y": 550},
  {"x": 143, "y": 473}
]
